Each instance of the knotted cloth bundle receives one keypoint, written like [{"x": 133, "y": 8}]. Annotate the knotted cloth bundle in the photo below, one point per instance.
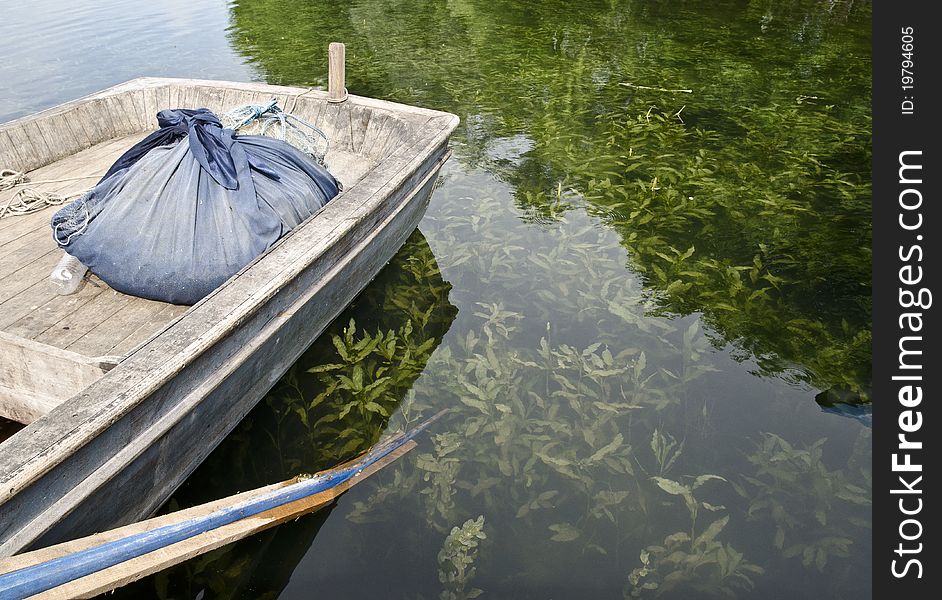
[{"x": 189, "y": 206}]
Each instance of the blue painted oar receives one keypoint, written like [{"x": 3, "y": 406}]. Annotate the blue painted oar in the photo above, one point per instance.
[{"x": 43, "y": 576}]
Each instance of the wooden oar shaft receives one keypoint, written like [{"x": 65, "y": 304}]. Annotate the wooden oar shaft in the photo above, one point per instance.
[
  {"x": 126, "y": 554},
  {"x": 148, "y": 564}
]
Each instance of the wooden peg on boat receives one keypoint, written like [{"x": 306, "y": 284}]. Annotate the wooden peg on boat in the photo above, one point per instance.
[{"x": 337, "y": 56}]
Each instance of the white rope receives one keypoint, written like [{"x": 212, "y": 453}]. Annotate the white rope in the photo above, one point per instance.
[
  {"x": 10, "y": 178},
  {"x": 30, "y": 200}
]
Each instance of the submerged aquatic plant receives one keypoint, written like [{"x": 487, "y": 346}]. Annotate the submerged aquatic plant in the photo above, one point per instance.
[
  {"x": 691, "y": 561},
  {"x": 666, "y": 450},
  {"x": 440, "y": 471},
  {"x": 456, "y": 560},
  {"x": 338, "y": 398},
  {"x": 686, "y": 491},
  {"x": 795, "y": 490},
  {"x": 700, "y": 563}
]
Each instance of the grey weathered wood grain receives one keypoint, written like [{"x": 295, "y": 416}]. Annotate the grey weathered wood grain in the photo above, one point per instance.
[
  {"x": 33, "y": 272},
  {"x": 146, "y": 329},
  {"x": 35, "y": 378},
  {"x": 9, "y": 157},
  {"x": 72, "y": 327},
  {"x": 139, "y": 319},
  {"x": 54, "y": 309}
]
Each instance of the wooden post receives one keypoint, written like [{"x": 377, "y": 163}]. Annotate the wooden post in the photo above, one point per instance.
[{"x": 337, "y": 56}]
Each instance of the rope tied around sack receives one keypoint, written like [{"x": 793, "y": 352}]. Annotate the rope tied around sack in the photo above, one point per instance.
[
  {"x": 30, "y": 200},
  {"x": 259, "y": 119}
]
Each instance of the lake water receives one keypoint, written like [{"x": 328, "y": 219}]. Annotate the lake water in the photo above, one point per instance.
[{"x": 642, "y": 288}]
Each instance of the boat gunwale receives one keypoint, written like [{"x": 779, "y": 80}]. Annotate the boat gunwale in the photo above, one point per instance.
[{"x": 30, "y": 454}]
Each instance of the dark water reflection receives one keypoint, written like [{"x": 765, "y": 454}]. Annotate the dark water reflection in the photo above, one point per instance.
[
  {"x": 631, "y": 298},
  {"x": 8, "y": 428}
]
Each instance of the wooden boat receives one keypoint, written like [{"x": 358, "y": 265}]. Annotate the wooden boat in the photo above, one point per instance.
[{"x": 127, "y": 396}]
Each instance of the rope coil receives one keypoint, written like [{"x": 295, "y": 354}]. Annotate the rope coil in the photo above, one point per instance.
[
  {"x": 30, "y": 200},
  {"x": 259, "y": 119}
]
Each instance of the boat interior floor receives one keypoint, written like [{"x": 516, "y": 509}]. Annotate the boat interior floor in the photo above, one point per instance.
[{"x": 68, "y": 342}]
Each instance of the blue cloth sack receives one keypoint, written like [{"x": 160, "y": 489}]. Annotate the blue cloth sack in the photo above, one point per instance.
[{"x": 189, "y": 206}]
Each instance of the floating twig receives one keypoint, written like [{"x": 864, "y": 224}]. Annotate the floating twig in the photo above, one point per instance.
[{"x": 655, "y": 89}]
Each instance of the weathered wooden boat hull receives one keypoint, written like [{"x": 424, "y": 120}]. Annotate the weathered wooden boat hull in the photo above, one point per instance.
[{"x": 115, "y": 452}]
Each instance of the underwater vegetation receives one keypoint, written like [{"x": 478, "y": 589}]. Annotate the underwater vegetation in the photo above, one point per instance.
[
  {"x": 601, "y": 452},
  {"x": 627, "y": 296},
  {"x": 747, "y": 200},
  {"x": 456, "y": 560},
  {"x": 791, "y": 485}
]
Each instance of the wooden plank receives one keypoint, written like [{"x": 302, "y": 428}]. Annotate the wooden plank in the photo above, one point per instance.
[
  {"x": 130, "y": 111},
  {"x": 29, "y": 155},
  {"x": 46, "y": 152},
  {"x": 96, "y": 120},
  {"x": 137, "y": 568},
  {"x": 21, "y": 269},
  {"x": 35, "y": 378},
  {"x": 228, "y": 100},
  {"x": 376, "y": 129},
  {"x": 9, "y": 157},
  {"x": 147, "y": 329},
  {"x": 17, "y": 281},
  {"x": 136, "y": 315},
  {"x": 397, "y": 137},
  {"x": 83, "y": 139},
  {"x": 312, "y": 109},
  {"x": 145, "y": 121},
  {"x": 359, "y": 123},
  {"x": 150, "y": 108},
  {"x": 175, "y": 98},
  {"x": 55, "y": 309},
  {"x": 93, "y": 313},
  {"x": 112, "y": 116},
  {"x": 166, "y": 96},
  {"x": 210, "y": 97},
  {"x": 347, "y": 167},
  {"x": 24, "y": 406},
  {"x": 186, "y": 96},
  {"x": 330, "y": 124},
  {"x": 58, "y": 135},
  {"x": 24, "y": 249},
  {"x": 24, "y": 303},
  {"x": 79, "y": 119},
  {"x": 15, "y": 226}
]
